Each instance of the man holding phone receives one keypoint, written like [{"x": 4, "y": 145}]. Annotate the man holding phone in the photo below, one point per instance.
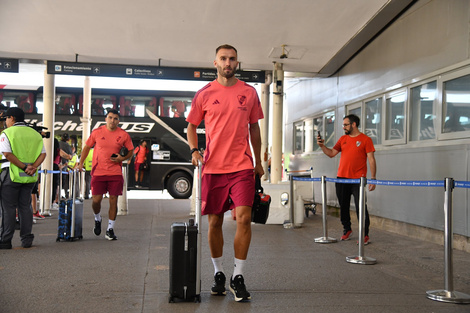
[
  {"x": 106, "y": 173},
  {"x": 356, "y": 149}
]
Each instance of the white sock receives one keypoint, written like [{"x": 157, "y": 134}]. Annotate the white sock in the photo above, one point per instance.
[
  {"x": 97, "y": 217},
  {"x": 218, "y": 265},
  {"x": 111, "y": 224},
  {"x": 238, "y": 267}
]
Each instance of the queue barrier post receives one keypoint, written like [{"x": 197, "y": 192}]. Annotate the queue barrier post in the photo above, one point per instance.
[
  {"x": 122, "y": 199},
  {"x": 290, "y": 223},
  {"x": 448, "y": 294},
  {"x": 43, "y": 209},
  {"x": 360, "y": 258},
  {"x": 325, "y": 238}
]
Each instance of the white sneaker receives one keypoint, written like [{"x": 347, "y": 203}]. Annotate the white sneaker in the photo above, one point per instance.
[{"x": 55, "y": 207}]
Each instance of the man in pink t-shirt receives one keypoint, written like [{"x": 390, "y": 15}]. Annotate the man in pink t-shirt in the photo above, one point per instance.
[
  {"x": 106, "y": 173},
  {"x": 230, "y": 109}
]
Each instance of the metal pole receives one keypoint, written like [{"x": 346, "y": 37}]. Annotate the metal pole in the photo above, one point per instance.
[
  {"x": 448, "y": 294},
  {"x": 199, "y": 233},
  {"x": 325, "y": 238},
  {"x": 72, "y": 182},
  {"x": 290, "y": 222},
  {"x": 361, "y": 259},
  {"x": 122, "y": 199}
]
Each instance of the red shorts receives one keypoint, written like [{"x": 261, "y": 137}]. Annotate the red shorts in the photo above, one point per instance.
[
  {"x": 103, "y": 184},
  {"x": 218, "y": 189},
  {"x": 137, "y": 166}
]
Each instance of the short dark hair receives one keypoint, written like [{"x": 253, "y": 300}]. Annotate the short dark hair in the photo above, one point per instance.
[
  {"x": 114, "y": 111},
  {"x": 226, "y": 46},
  {"x": 353, "y": 118}
]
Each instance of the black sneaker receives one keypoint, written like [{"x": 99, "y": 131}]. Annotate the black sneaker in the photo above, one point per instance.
[
  {"x": 218, "y": 289},
  {"x": 110, "y": 234},
  {"x": 237, "y": 287},
  {"x": 97, "y": 229},
  {"x": 5, "y": 245}
]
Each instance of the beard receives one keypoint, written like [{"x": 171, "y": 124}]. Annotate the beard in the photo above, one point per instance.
[
  {"x": 347, "y": 132},
  {"x": 225, "y": 74}
]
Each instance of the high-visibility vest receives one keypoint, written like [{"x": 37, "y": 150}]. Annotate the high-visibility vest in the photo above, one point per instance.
[
  {"x": 72, "y": 161},
  {"x": 88, "y": 161},
  {"x": 26, "y": 144}
]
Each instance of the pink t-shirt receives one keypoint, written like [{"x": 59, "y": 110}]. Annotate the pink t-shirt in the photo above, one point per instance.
[
  {"x": 107, "y": 143},
  {"x": 227, "y": 112}
]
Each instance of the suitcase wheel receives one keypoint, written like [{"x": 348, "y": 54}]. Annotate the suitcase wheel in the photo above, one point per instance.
[
  {"x": 197, "y": 299},
  {"x": 171, "y": 299}
]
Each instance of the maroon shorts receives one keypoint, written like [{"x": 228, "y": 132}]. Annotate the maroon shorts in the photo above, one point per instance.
[
  {"x": 103, "y": 184},
  {"x": 218, "y": 189},
  {"x": 137, "y": 166}
]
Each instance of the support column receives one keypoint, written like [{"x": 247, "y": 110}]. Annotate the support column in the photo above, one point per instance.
[
  {"x": 86, "y": 122},
  {"x": 264, "y": 125},
  {"x": 48, "y": 119},
  {"x": 278, "y": 97}
]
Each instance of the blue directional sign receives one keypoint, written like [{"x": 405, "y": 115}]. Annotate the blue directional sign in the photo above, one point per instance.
[
  {"x": 9, "y": 65},
  {"x": 150, "y": 72}
]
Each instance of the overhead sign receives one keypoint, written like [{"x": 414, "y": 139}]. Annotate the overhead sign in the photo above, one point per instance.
[
  {"x": 150, "y": 72},
  {"x": 9, "y": 65}
]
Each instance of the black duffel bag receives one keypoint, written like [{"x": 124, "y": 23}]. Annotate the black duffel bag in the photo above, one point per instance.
[{"x": 260, "y": 210}]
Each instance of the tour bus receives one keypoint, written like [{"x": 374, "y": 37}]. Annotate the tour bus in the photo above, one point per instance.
[{"x": 155, "y": 116}]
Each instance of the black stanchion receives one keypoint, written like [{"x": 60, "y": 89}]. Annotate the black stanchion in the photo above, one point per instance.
[
  {"x": 448, "y": 294},
  {"x": 361, "y": 259}
]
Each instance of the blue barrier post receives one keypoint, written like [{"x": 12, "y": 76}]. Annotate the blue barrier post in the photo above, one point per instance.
[
  {"x": 361, "y": 259},
  {"x": 325, "y": 238},
  {"x": 448, "y": 294}
]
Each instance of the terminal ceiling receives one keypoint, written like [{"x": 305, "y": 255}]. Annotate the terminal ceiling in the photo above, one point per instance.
[{"x": 320, "y": 36}]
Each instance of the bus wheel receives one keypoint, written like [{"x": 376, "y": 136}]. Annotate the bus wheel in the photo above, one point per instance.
[{"x": 180, "y": 185}]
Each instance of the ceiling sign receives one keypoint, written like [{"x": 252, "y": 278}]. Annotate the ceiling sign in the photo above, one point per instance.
[
  {"x": 9, "y": 65},
  {"x": 150, "y": 72}
]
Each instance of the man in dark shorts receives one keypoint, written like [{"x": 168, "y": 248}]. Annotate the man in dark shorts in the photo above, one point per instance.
[
  {"x": 107, "y": 168},
  {"x": 231, "y": 110}
]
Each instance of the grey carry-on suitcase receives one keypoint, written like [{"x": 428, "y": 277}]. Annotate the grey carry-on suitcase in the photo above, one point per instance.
[{"x": 185, "y": 255}]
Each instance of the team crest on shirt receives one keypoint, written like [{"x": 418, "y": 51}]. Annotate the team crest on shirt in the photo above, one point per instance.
[
  {"x": 358, "y": 143},
  {"x": 242, "y": 100},
  {"x": 118, "y": 139}
]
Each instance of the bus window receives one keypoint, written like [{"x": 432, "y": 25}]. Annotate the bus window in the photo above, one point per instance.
[
  {"x": 136, "y": 105},
  {"x": 99, "y": 104},
  {"x": 65, "y": 104},
  {"x": 175, "y": 107},
  {"x": 23, "y": 100}
]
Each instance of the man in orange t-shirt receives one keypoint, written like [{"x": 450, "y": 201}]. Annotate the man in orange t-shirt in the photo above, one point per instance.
[
  {"x": 140, "y": 158},
  {"x": 230, "y": 109},
  {"x": 106, "y": 173},
  {"x": 356, "y": 149}
]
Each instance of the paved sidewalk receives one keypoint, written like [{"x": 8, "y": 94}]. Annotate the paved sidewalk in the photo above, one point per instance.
[{"x": 286, "y": 270}]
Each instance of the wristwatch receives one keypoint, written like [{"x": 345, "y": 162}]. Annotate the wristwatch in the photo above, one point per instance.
[{"x": 193, "y": 150}]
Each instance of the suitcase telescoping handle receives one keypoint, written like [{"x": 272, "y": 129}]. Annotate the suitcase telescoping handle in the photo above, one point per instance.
[
  {"x": 72, "y": 189},
  {"x": 198, "y": 223}
]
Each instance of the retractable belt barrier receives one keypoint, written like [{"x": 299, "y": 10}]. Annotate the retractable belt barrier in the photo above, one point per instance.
[{"x": 448, "y": 294}]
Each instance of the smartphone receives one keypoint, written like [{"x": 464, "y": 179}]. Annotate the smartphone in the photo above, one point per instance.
[
  {"x": 114, "y": 155},
  {"x": 319, "y": 135}
]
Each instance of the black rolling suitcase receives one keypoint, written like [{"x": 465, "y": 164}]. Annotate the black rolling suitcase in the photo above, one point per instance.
[
  {"x": 70, "y": 214},
  {"x": 185, "y": 256}
]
